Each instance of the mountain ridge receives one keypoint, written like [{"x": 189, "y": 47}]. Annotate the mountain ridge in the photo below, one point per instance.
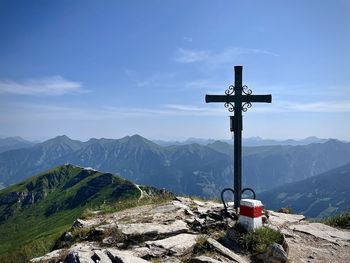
[
  {"x": 36, "y": 211},
  {"x": 323, "y": 195},
  {"x": 12, "y": 143}
]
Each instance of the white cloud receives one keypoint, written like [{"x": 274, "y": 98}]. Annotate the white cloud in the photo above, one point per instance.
[
  {"x": 215, "y": 58},
  {"x": 51, "y": 86}
]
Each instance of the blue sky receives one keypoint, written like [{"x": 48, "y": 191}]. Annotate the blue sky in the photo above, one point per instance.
[{"x": 115, "y": 68}]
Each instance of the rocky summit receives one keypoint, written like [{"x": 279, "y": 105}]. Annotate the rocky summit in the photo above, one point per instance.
[{"x": 190, "y": 230}]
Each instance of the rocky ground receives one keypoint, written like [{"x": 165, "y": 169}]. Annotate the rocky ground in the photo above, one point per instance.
[{"x": 187, "y": 230}]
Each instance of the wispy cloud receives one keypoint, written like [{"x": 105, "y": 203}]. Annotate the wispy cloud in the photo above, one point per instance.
[
  {"x": 191, "y": 55},
  {"x": 320, "y": 106},
  {"x": 194, "y": 110},
  {"x": 41, "y": 112},
  {"x": 227, "y": 55},
  {"x": 50, "y": 86}
]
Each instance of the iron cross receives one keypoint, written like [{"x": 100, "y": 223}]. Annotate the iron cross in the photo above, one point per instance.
[{"x": 237, "y": 98}]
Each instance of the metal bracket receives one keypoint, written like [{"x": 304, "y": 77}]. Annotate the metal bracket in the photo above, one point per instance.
[
  {"x": 251, "y": 190},
  {"x": 222, "y": 197},
  {"x": 233, "y": 192}
]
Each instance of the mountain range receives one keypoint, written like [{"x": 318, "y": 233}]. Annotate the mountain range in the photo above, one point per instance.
[
  {"x": 191, "y": 169},
  {"x": 319, "y": 196},
  {"x": 12, "y": 143},
  {"x": 249, "y": 142}
]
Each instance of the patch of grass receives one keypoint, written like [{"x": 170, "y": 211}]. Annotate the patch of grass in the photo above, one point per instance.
[
  {"x": 257, "y": 241},
  {"x": 157, "y": 260},
  {"x": 341, "y": 220},
  {"x": 27, "y": 252},
  {"x": 87, "y": 213},
  {"x": 201, "y": 247},
  {"x": 286, "y": 210}
]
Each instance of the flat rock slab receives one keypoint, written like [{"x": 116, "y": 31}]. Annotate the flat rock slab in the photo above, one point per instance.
[
  {"x": 49, "y": 256},
  {"x": 225, "y": 251},
  {"x": 282, "y": 219},
  {"x": 170, "y": 208},
  {"x": 177, "y": 245},
  {"x": 151, "y": 229},
  {"x": 121, "y": 256},
  {"x": 80, "y": 252},
  {"x": 325, "y": 232}
]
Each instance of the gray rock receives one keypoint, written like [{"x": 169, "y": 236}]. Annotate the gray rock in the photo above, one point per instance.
[
  {"x": 204, "y": 259},
  {"x": 72, "y": 258},
  {"x": 177, "y": 245},
  {"x": 281, "y": 219},
  {"x": 142, "y": 252},
  {"x": 123, "y": 256},
  {"x": 331, "y": 234},
  {"x": 274, "y": 254},
  {"x": 170, "y": 208},
  {"x": 81, "y": 253},
  {"x": 67, "y": 236},
  {"x": 225, "y": 251},
  {"x": 52, "y": 256},
  {"x": 101, "y": 257},
  {"x": 151, "y": 229}
]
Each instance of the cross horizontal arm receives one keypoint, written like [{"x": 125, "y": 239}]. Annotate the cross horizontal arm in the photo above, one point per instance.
[
  {"x": 218, "y": 98},
  {"x": 233, "y": 98},
  {"x": 257, "y": 98}
]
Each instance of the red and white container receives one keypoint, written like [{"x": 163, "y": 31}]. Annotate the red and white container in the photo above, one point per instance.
[{"x": 250, "y": 214}]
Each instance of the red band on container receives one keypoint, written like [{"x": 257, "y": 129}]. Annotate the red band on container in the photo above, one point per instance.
[{"x": 251, "y": 211}]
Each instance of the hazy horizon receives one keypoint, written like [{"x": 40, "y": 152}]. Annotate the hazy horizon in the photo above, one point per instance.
[{"x": 42, "y": 139}]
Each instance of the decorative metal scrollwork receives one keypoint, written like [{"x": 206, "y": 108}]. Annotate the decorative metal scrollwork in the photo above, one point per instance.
[
  {"x": 246, "y": 90},
  {"x": 230, "y": 90},
  {"x": 229, "y": 106},
  {"x": 246, "y": 106}
]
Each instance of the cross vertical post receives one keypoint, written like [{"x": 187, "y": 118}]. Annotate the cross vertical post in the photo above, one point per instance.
[
  {"x": 238, "y": 137},
  {"x": 237, "y": 98}
]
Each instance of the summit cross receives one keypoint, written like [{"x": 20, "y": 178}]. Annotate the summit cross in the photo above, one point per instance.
[{"x": 237, "y": 98}]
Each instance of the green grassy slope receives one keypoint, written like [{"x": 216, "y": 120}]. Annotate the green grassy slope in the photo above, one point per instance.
[{"x": 34, "y": 213}]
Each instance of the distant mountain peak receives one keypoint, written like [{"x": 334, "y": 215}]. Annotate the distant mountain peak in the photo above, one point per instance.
[{"x": 62, "y": 137}]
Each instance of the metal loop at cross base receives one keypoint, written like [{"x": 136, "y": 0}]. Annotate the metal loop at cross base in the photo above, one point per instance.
[
  {"x": 233, "y": 192},
  {"x": 222, "y": 197},
  {"x": 249, "y": 189}
]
